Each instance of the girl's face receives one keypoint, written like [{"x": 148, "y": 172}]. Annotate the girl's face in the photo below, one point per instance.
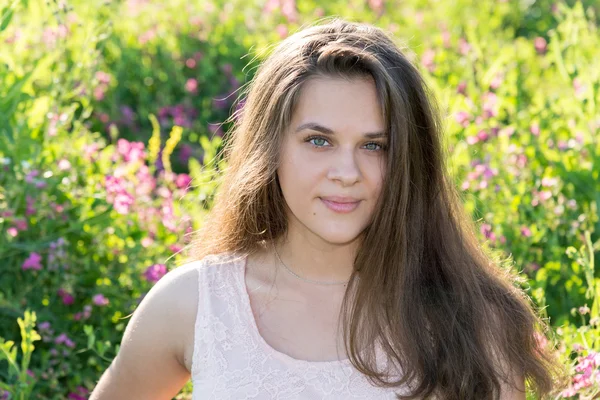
[{"x": 333, "y": 159}]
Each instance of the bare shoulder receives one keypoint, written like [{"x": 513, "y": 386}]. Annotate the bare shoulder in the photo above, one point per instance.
[
  {"x": 173, "y": 301},
  {"x": 151, "y": 361},
  {"x": 180, "y": 287}
]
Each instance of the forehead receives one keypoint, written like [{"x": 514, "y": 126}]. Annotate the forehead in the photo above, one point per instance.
[{"x": 341, "y": 104}]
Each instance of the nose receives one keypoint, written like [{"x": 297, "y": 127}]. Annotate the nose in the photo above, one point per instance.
[{"x": 344, "y": 168}]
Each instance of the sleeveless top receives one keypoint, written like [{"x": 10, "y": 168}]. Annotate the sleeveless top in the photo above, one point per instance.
[{"x": 231, "y": 360}]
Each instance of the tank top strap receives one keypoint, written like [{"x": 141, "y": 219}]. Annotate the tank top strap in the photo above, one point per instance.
[{"x": 219, "y": 326}]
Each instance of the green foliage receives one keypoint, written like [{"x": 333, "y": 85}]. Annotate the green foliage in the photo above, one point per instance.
[{"x": 18, "y": 381}]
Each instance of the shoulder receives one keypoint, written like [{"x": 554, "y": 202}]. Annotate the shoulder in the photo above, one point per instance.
[{"x": 173, "y": 302}]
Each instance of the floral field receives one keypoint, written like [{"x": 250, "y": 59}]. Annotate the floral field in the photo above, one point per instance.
[{"x": 112, "y": 114}]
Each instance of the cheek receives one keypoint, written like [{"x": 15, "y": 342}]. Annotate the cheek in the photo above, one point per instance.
[
  {"x": 374, "y": 173},
  {"x": 298, "y": 172}
]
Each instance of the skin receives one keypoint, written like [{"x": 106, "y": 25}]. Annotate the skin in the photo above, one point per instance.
[
  {"x": 321, "y": 243},
  {"x": 295, "y": 317}
]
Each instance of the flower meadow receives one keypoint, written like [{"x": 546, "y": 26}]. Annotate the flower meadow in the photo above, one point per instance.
[{"x": 112, "y": 115}]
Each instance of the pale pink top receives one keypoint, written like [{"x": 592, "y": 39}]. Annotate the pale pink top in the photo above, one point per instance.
[{"x": 233, "y": 361}]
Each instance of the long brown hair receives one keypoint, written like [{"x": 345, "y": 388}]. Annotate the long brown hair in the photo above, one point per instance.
[{"x": 444, "y": 310}]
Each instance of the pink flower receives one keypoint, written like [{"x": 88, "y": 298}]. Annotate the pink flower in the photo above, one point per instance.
[
  {"x": 29, "y": 177},
  {"x": 190, "y": 63},
  {"x": 68, "y": 299},
  {"x": 113, "y": 185},
  {"x": 30, "y": 210},
  {"x": 32, "y": 262},
  {"x": 490, "y": 100},
  {"x": 62, "y": 338},
  {"x": 288, "y": 9},
  {"x": 182, "y": 181},
  {"x": 155, "y": 272},
  {"x": 540, "y": 45},
  {"x": 80, "y": 395},
  {"x": 427, "y": 59},
  {"x": 496, "y": 82},
  {"x": 99, "y": 92},
  {"x": 131, "y": 151},
  {"x": 525, "y": 231},
  {"x": 282, "y": 30},
  {"x": 486, "y": 230},
  {"x": 545, "y": 195},
  {"x": 472, "y": 140},
  {"x": 12, "y": 231},
  {"x": 123, "y": 203},
  {"x": 21, "y": 224},
  {"x": 270, "y": 6},
  {"x": 103, "y": 77},
  {"x": 100, "y": 300},
  {"x": 548, "y": 182},
  {"x": 64, "y": 164},
  {"x": 482, "y": 135},
  {"x": 191, "y": 86},
  {"x": 462, "y": 117},
  {"x": 175, "y": 248},
  {"x": 91, "y": 151},
  {"x": 44, "y": 325}
]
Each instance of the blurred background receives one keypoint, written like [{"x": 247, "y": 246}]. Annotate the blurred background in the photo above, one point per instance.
[{"x": 112, "y": 113}]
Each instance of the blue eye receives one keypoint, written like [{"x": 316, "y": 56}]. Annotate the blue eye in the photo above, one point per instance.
[
  {"x": 318, "y": 141},
  {"x": 374, "y": 144}
]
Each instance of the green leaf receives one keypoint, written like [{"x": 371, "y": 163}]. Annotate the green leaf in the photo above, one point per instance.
[{"x": 7, "y": 14}]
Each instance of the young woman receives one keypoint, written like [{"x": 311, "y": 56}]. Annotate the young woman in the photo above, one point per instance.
[{"x": 337, "y": 262}]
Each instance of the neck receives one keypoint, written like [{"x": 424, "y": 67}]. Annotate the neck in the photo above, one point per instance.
[{"x": 316, "y": 260}]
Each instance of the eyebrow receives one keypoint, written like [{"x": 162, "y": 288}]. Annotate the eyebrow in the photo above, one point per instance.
[{"x": 323, "y": 129}]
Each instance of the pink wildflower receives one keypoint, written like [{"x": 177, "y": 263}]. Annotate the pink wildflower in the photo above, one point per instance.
[
  {"x": 32, "y": 262},
  {"x": 155, "y": 272},
  {"x": 100, "y": 300}
]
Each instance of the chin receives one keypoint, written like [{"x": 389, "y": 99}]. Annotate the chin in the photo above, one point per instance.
[{"x": 338, "y": 238}]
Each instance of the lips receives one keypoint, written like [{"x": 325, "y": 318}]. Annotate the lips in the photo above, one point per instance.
[
  {"x": 341, "y": 204},
  {"x": 339, "y": 199}
]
